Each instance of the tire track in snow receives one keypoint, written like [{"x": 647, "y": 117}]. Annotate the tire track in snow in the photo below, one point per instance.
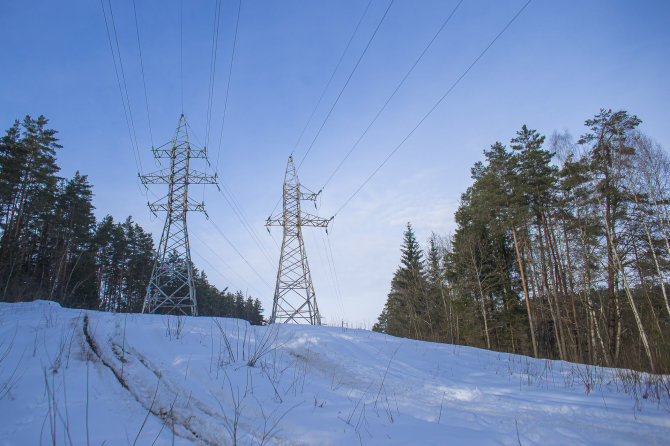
[{"x": 155, "y": 392}]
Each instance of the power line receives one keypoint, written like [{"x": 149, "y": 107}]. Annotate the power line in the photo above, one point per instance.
[
  {"x": 333, "y": 272},
  {"x": 397, "y": 88},
  {"x": 275, "y": 241},
  {"x": 212, "y": 77},
  {"x": 125, "y": 85},
  {"x": 249, "y": 285},
  {"x": 345, "y": 84},
  {"x": 235, "y": 206},
  {"x": 332, "y": 261},
  {"x": 126, "y": 108},
  {"x": 250, "y": 228},
  {"x": 332, "y": 75},
  {"x": 239, "y": 253},
  {"x": 216, "y": 270},
  {"x": 181, "y": 52},
  {"x": 323, "y": 92},
  {"x": 324, "y": 265},
  {"x": 212, "y": 68},
  {"x": 230, "y": 72},
  {"x": 432, "y": 109},
  {"x": 237, "y": 210},
  {"x": 144, "y": 82},
  {"x": 230, "y": 198}
]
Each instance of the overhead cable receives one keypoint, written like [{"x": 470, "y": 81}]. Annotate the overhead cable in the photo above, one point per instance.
[
  {"x": 230, "y": 73},
  {"x": 240, "y": 254},
  {"x": 353, "y": 34},
  {"x": 360, "y": 58},
  {"x": 332, "y": 75},
  {"x": 237, "y": 210},
  {"x": 397, "y": 88},
  {"x": 432, "y": 109},
  {"x": 181, "y": 52},
  {"x": 144, "y": 82},
  {"x": 225, "y": 264},
  {"x": 122, "y": 85},
  {"x": 212, "y": 69}
]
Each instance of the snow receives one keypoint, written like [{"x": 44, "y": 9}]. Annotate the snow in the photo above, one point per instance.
[{"x": 84, "y": 377}]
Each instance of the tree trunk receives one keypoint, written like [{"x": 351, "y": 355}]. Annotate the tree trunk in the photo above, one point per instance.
[
  {"x": 482, "y": 301},
  {"x": 572, "y": 291},
  {"x": 525, "y": 291},
  {"x": 638, "y": 321},
  {"x": 653, "y": 251}
]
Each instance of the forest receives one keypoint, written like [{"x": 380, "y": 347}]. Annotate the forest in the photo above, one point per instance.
[
  {"x": 560, "y": 250},
  {"x": 53, "y": 248}
]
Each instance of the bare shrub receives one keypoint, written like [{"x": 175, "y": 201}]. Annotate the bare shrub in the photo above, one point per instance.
[
  {"x": 9, "y": 377},
  {"x": 249, "y": 347},
  {"x": 174, "y": 325}
]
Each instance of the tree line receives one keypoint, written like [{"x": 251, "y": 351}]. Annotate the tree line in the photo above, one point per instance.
[
  {"x": 560, "y": 251},
  {"x": 52, "y": 247}
]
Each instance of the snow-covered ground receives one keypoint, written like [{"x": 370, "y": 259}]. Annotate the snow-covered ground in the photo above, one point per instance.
[{"x": 75, "y": 377}]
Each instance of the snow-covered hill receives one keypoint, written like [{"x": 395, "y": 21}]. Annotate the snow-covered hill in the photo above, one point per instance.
[{"x": 80, "y": 377}]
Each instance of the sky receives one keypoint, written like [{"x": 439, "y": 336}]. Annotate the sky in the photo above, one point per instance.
[{"x": 556, "y": 65}]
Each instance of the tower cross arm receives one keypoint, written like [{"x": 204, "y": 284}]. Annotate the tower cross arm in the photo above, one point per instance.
[
  {"x": 197, "y": 177},
  {"x": 307, "y": 219},
  {"x": 163, "y": 177},
  {"x": 164, "y": 206},
  {"x": 159, "y": 177},
  {"x": 197, "y": 153},
  {"x": 166, "y": 151},
  {"x": 277, "y": 220},
  {"x": 306, "y": 194}
]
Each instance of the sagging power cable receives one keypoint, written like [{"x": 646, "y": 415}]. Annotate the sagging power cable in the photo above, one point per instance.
[
  {"x": 397, "y": 88},
  {"x": 432, "y": 109}
]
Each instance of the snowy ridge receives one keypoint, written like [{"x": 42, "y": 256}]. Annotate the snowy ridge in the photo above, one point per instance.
[{"x": 84, "y": 377}]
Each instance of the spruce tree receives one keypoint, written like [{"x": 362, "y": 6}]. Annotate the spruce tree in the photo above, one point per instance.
[
  {"x": 436, "y": 296},
  {"x": 406, "y": 309}
]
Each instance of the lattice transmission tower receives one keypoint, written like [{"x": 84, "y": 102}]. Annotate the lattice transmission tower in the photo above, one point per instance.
[
  {"x": 294, "y": 299},
  {"x": 171, "y": 288}
]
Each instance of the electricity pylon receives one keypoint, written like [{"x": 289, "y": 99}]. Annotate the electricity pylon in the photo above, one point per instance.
[
  {"x": 294, "y": 299},
  {"x": 171, "y": 288}
]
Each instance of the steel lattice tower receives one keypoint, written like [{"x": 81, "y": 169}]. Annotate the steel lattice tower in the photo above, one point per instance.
[
  {"x": 171, "y": 288},
  {"x": 294, "y": 299}
]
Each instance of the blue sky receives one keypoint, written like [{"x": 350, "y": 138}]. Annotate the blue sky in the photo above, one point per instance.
[{"x": 555, "y": 67}]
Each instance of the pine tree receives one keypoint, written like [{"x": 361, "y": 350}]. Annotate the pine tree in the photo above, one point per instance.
[
  {"x": 52, "y": 248},
  {"x": 27, "y": 193},
  {"x": 585, "y": 249},
  {"x": 102, "y": 241},
  {"x": 537, "y": 184},
  {"x": 609, "y": 149},
  {"x": 73, "y": 229}
]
